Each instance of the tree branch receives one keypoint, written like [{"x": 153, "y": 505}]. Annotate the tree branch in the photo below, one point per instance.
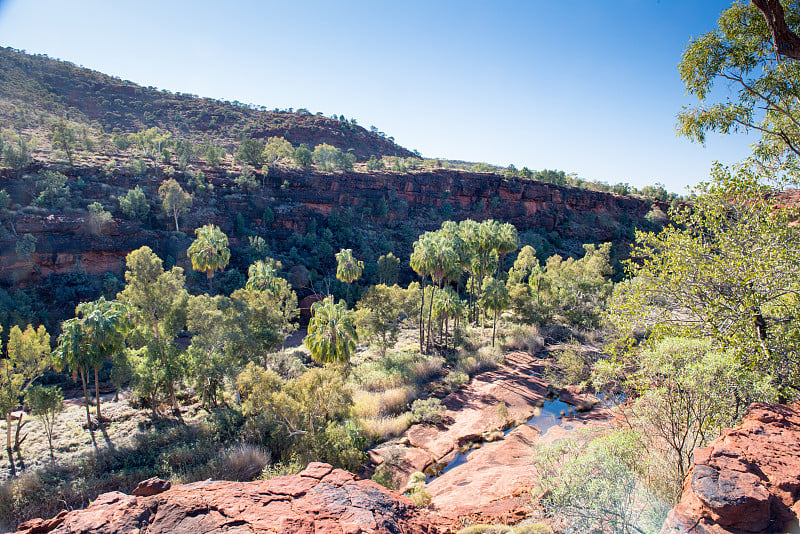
[{"x": 787, "y": 43}]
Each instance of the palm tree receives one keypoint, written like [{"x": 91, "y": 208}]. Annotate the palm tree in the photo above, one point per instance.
[
  {"x": 91, "y": 338},
  {"x": 73, "y": 351},
  {"x": 420, "y": 263},
  {"x": 443, "y": 266},
  {"x": 348, "y": 269},
  {"x": 106, "y": 325},
  {"x": 263, "y": 276},
  {"x": 448, "y": 305},
  {"x": 332, "y": 333},
  {"x": 494, "y": 297},
  {"x": 209, "y": 252},
  {"x": 508, "y": 241}
]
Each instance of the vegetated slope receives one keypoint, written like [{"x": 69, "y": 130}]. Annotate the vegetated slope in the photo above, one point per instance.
[
  {"x": 45, "y": 85},
  {"x": 299, "y": 215}
]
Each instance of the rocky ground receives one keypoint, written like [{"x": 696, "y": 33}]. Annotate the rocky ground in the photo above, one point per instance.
[
  {"x": 319, "y": 500},
  {"x": 497, "y": 470}
]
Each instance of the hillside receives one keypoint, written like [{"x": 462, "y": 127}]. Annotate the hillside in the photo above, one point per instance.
[
  {"x": 78, "y": 137},
  {"x": 33, "y": 87}
]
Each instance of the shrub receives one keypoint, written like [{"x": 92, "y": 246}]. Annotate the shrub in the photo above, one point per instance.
[
  {"x": 456, "y": 379},
  {"x": 525, "y": 338},
  {"x": 383, "y": 428},
  {"x": 393, "y": 401},
  {"x": 280, "y": 469},
  {"x": 427, "y": 411},
  {"x": 385, "y": 477},
  {"x": 241, "y": 463}
]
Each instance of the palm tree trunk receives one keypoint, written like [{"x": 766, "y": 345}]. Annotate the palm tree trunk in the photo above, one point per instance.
[
  {"x": 430, "y": 314},
  {"x": 494, "y": 326},
  {"x": 8, "y": 432},
  {"x": 97, "y": 394},
  {"x": 86, "y": 398},
  {"x": 422, "y": 317}
]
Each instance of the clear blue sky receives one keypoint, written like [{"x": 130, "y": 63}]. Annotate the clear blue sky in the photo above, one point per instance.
[{"x": 586, "y": 86}]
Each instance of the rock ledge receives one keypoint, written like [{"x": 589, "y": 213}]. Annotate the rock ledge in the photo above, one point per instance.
[
  {"x": 748, "y": 480},
  {"x": 319, "y": 500}
]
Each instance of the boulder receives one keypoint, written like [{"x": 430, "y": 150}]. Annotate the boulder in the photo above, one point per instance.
[{"x": 747, "y": 480}]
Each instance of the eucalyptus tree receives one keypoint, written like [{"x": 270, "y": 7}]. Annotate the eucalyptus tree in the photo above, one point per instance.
[
  {"x": 209, "y": 252},
  {"x": 761, "y": 87},
  {"x": 157, "y": 300},
  {"x": 174, "y": 200},
  {"x": 332, "y": 335},
  {"x": 28, "y": 355}
]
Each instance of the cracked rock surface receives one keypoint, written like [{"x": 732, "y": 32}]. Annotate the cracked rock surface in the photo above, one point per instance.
[
  {"x": 747, "y": 480},
  {"x": 318, "y": 500}
]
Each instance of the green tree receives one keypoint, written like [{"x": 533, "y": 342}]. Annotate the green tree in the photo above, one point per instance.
[
  {"x": 277, "y": 148},
  {"x": 687, "y": 394},
  {"x": 54, "y": 191},
  {"x": 98, "y": 217},
  {"x": 724, "y": 271},
  {"x": 211, "y": 320},
  {"x": 328, "y": 157},
  {"x": 348, "y": 269},
  {"x": 28, "y": 356},
  {"x": 377, "y": 315},
  {"x": 46, "y": 403},
  {"x": 157, "y": 301},
  {"x": 332, "y": 335},
  {"x": 388, "y": 269},
  {"x": 302, "y": 157},
  {"x": 63, "y": 137},
  {"x": 134, "y": 204},
  {"x": 213, "y": 154},
  {"x": 494, "y": 297},
  {"x": 96, "y": 333},
  {"x": 209, "y": 252},
  {"x": 760, "y": 94},
  {"x": 174, "y": 200},
  {"x": 251, "y": 151}
]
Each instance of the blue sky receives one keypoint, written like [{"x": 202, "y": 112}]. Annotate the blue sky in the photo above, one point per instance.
[{"x": 589, "y": 87}]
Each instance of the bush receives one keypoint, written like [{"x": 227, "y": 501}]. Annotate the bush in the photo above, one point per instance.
[
  {"x": 427, "y": 411},
  {"x": 393, "y": 401},
  {"x": 525, "y": 338},
  {"x": 384, "y": 428},
  {"x": 456, "y": 379},
  {"x": 241, "y": 463},
  {"x": 386, "y": 477}
]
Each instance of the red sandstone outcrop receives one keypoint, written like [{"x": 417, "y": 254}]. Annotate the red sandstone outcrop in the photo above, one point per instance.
[
  {"x": 319, "y": 500},
  {"x": 65, "y": 241},
  {"x": 748, "y": 480},
  {"x": 492, "y": 475}
]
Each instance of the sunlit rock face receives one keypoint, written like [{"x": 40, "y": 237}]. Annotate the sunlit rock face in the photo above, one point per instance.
[
  {"x": 747, "y": 480},
  {"x": 318, "y": 500}
]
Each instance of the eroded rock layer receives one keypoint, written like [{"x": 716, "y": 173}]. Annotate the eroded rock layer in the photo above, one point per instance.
[
  {"x": 748, "y": 480},
  {"x": 319, "y": 500}
]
